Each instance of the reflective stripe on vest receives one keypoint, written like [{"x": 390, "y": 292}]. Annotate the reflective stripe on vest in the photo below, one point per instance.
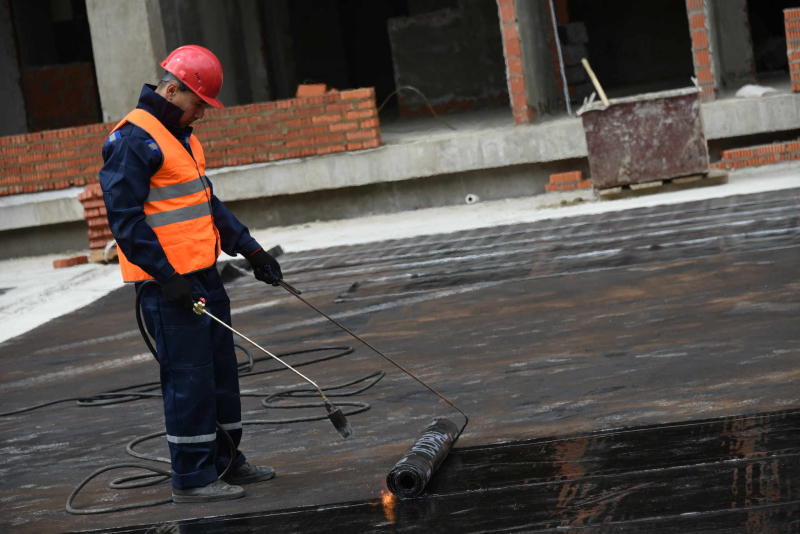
[
  {"x": 178, "y": 205},
  {"x": 178, "y": 190}
]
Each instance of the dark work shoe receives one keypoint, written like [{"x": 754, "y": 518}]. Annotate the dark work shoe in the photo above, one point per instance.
[
  {"x": 248, "y": 473},
  {"x": 216, "y": 491}
]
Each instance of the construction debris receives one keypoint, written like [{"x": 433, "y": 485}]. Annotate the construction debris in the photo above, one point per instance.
[{"x": 69, "y": 262}]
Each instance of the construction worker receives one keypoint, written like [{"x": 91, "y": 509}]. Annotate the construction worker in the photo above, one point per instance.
[{"x": 170, "y": 228}]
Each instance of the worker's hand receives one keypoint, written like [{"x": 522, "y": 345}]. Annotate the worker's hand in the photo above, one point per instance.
[
  {"x": 265, "y": 267},
  {"x": 178, "y": 291}
]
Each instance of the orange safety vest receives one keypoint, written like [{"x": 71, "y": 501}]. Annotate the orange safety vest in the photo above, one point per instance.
[{"x": 178, "y": 207}]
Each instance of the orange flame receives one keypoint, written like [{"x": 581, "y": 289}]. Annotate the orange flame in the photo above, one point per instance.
[{"x": 388, "y": 500}]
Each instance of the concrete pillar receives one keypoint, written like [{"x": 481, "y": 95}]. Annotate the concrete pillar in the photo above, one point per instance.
[
  {"x": 12, "y": 103},
  {"x": 528, "y": 41},
  {"x": 733, "y": 42},
  {"x": 703, "y": 54},
  {"x": 128, "y": 45}
]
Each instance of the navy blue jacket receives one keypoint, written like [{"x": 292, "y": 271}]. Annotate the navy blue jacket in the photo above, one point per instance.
[{"x": 131, "y": 158}]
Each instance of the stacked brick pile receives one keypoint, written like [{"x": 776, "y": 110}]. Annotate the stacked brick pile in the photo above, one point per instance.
[
  {"x": 333, "y": 121},
  {"x": 94, "y": 211},
  {"x": 758, "y": 155},
  {"x": 792, "y": 22},
  {"x": 701, "y": 48},
  {"x": 567, "y": 181}
]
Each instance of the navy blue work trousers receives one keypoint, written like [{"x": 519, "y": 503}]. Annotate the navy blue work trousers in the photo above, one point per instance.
[{"x": 199, "y": 380}]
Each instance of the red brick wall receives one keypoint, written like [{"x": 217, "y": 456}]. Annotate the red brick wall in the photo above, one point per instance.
[
  {"x": 298, "y": 127},
  {"x": 758, "y": 155},
  {"x": 53, "y": 159},
  {"x": 697, "y": 11},
  {"x": 333, "y": 122},
  {"x": 512, "y": 50},
  {"x": 792, "y": 21}
]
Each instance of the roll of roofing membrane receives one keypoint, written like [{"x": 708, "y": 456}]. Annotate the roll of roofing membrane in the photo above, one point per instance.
[{"x": 412, "y": 472}]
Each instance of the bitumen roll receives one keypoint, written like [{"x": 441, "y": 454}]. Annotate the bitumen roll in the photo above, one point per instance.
[{"x": 412, "y": 472}]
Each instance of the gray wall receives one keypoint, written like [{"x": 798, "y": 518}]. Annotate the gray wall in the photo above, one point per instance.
[
  {"x": 450, "y": 55},
  {"x": 12, "y": 103}
]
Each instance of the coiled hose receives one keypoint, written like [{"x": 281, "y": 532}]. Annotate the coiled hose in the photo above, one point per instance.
[{"x": 149, "y": 390}]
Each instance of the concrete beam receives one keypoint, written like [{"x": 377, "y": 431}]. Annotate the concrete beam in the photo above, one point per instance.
[
  {"x": 464, "y": 152},
  {"x": 736, "y": 117},
  {"x": 40, "y": 209}
]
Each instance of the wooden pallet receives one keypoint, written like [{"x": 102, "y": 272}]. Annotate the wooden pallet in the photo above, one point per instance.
[{"x": 712, "y": 177}]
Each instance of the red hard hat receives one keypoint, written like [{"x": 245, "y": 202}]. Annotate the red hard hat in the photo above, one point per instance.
[{"x": 199, "y": 69}]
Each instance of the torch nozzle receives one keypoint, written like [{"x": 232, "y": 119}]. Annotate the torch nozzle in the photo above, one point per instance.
[{"x": 338, "y": 419}]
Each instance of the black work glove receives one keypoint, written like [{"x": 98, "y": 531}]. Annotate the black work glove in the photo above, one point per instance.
[
  {"x": 178, "y": 291},
  {"x": 265, "y": 268}
]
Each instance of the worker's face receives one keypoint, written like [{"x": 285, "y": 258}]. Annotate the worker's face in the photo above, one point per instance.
[{"x": 192, "y": 105}]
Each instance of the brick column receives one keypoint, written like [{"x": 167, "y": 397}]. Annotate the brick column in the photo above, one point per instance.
[
  {"x": 702, "y": 53},
  {"x": 792, "y": 21},
  {"x": 515, "y": 74}
]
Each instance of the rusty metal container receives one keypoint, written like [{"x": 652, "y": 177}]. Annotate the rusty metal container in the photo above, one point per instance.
[{"x": 645, "y": 138}]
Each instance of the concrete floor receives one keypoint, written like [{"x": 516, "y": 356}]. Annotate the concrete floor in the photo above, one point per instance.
[{"x": 553, "y": 328}]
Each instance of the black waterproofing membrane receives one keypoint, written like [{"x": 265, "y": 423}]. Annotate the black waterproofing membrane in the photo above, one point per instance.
[{"x": 412, "y": 472}]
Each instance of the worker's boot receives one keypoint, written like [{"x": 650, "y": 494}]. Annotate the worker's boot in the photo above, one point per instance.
[
  {"x": 218, "y": 490},
  {"x": 248, "y": 473}
]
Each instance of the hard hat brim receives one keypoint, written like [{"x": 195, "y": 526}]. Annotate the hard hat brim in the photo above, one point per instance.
[{"x": 213, "y": 102}]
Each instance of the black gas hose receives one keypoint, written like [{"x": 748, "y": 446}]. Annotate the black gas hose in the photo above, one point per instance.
[{"x": 155, "y": 475}]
